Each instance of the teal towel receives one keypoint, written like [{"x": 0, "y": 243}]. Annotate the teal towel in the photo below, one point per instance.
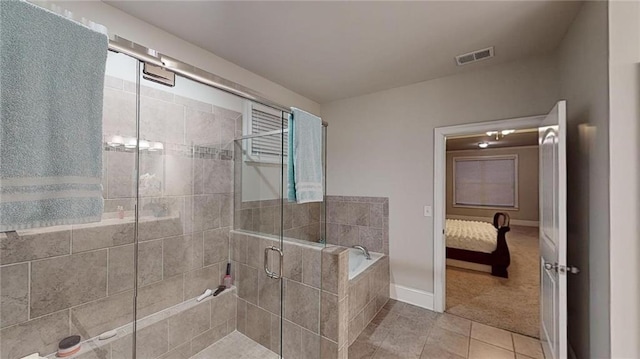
[
  {"x": 305, "y": 158},
  {"x": 52, "y": 76}
]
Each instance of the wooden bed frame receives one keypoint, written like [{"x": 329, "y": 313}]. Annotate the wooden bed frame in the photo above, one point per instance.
[{"x": 499, "y": 259}]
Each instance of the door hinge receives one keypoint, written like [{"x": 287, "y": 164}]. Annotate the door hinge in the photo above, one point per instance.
[
  {"x": 158, "y": 74},
  {"x": 562, "y": 269}
]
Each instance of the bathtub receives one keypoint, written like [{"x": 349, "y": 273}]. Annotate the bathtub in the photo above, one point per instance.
[{"x": 357, "y": 262}]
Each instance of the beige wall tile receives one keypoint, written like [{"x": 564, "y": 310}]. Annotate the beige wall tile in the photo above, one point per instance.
[
  {"x": 356, "y": 326},
  {"x": 160, "y": 295},
  {"x": 30, "y": 245},
  {"x": 178, "y": 175},
  {"x": 94, "y": 318},
  {"x": 161, "y": 121},
  {"x": 328, "y": 349},
  {"x": 255, "y": 247},
  {"x": 291, "y": 340},
  {"x": 302, "y": 305},
  {"x": 151, "y": 342},
  {"x": 292, "y": 266},
  {"x": 38, "y": 335},
  {"x": 258, "y": 325},
  {"x": 121, "y": 269},
  {"x": 310, "y": 345},
  {"x": 188, "y": 324},
  {"x": 193, "y": 104},
  {"x": 202, "y": 128},
  {"x": 197, "y": 281},
  {"x": 337, "y": 212},
  {"x": 149, "y": 229},
  {"x": 269, "y": 293},
  {"x": 182, "y": 254},
  {"x": 120, "y": 172},
  {"x": 216, "y": 245},
  {"x": 223, "y": 309},
  {"x": 241, "y": 316},
  {"x": 312, "y": 267},
  {"x": 276, "y": 333},
  {"x": 329, "y": 316},
  {"x": 207, "y": 338},
  {"x": 331, "y": 271},
  {"x": 247, "y": 283},
  {"x": 14, "y": 294},
  {"x": 149, "y": 262},
  {"x": 62, "y": 282},
  {"x": 118, "y": 113},
  {"x": 218, "y": 176},
  {"x": 206, "y": 212},
  {"x": 95, "y": 353},
  {"x": 358, "y": 214},
  {"x": 102, "y": 235}
]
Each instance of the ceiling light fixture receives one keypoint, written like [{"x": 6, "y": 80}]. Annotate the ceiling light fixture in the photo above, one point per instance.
[
  {"x": 483, "y": 144},
  {"x": 499, "y": 134}
]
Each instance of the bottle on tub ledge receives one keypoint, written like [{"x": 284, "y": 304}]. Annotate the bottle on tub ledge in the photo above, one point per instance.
[{"x": 226, "y": 283}]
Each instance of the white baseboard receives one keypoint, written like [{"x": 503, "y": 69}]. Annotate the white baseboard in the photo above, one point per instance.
[
  {"x": 413, "y": 296},
  {"x": 516, "y": 222}
]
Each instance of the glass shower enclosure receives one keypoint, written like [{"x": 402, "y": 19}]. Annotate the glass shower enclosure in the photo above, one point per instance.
[{"x": 193, "y": 184}]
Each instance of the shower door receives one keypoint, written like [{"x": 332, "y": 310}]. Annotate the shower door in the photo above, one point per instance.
[{"x": 185, "y": 197}]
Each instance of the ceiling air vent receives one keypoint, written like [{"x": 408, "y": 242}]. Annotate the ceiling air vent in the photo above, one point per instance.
[{"x": 474, "y": 56}]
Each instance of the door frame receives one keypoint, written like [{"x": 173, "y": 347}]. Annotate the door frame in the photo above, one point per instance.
[{"x": 439, "y": 189}]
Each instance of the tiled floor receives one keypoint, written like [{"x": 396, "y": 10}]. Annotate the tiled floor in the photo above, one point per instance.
[
  {"x": 237, "y": 346},
  {"x": 404, "y": 331}
]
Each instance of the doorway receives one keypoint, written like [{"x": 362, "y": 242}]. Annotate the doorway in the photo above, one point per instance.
[
  {"x": 440, "y": 192},
  {"x": 493, "y": 273}
]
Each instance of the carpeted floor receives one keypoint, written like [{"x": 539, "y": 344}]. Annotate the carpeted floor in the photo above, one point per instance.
[{"x": 511, "y": 304}]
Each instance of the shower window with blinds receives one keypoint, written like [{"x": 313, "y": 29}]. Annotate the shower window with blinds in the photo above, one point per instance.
[
  {"x": 486, "y": 182},
  {"x": 262, "y": 120}
]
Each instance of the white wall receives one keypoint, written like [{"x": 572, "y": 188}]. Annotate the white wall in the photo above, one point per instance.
[
  {"x": 624, "y": 157},
  {"x": 131, "y": 28},
  {"x": 582, "y": 58},
  {"x": 382, "y": 145}
]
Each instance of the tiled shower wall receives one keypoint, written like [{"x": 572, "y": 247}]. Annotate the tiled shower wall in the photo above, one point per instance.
[
  {"x": 314, "y": 296},
  {"x": 301, "y": 221},
  {"x": 64, "y": 280},
  {"x": 358, "y": 220}
]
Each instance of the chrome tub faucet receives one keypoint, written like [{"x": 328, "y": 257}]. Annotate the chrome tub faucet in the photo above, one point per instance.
[{"x": 364, "y": 251}]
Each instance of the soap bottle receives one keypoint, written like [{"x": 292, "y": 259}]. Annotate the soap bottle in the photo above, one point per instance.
[{"x": 227, "y": 278}]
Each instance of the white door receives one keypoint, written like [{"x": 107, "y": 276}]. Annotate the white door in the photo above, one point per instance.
[{"x": 553, "y": 233}]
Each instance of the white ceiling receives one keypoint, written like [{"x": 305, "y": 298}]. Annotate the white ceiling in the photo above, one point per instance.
[{"x": 333, "y": 50}]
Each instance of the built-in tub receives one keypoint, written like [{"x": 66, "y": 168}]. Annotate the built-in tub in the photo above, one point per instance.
[
  {"x": 368, "y": 289},
  {"x": 358, "y": 263}
]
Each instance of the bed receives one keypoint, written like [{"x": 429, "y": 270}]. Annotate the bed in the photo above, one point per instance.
[{"x": 479, "y": 245}]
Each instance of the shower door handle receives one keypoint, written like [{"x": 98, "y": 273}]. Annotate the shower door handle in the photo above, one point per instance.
[{"x": 269, "y": 272}]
